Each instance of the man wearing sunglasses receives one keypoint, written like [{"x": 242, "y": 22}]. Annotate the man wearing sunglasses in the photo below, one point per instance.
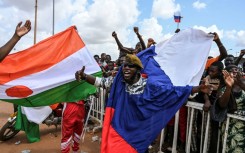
[{"x": 131, "y": 103}]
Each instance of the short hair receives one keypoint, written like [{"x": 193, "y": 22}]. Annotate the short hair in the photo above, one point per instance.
[
  {"x": 230, "y": 55},
  {"x": 219, "y": 64},
  {"x": 96, "y": 56}
]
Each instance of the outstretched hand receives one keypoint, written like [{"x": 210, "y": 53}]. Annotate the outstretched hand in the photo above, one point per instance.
[
  {"x": 229, "y": 81},
  {"x": 80, "y": 75},
  {"x": 206, "y": 88},
  {"x": 22, "y": 30}
]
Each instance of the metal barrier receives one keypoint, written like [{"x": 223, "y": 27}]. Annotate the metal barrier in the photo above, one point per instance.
[
  {"x": 193, "y": 107},
  {"x": 98, "y": 107}
]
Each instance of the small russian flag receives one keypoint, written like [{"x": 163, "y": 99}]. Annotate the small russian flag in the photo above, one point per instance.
[{"x": 177, "y": 17}]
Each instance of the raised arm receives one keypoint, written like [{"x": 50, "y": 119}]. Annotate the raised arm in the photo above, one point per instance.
[
  {"x": 242, "y": 52},
  {"x": 136, "y": 30},
  {"x": 229, "y": 81},
  {"x": 120, "y": 46},
  {"x": 222, "y": 50},
  {"x": 19, "y": 32}
]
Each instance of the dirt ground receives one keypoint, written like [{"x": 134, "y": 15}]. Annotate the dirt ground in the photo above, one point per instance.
[{"x": 48, "y": 144}]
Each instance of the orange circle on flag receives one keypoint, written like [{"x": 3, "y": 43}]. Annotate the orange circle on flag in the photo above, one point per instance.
[{"x": 19, "y": 91}]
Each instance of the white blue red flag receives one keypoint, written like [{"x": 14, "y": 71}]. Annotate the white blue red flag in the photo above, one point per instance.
[
  {"x": 177, "y": 17},
  {"x": 133, "y": 121}
]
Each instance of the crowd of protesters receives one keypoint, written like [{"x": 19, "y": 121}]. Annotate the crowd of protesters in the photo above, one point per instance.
[{"x": 228, "y": 93}]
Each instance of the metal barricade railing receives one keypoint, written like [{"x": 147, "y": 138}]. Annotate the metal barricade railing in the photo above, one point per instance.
[
  {"x": 193, "y": 107},
  {"x": 98, "y": 107}
]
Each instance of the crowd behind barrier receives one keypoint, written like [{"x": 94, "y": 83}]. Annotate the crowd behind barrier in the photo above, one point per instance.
[{"x": 97, "y": 114}]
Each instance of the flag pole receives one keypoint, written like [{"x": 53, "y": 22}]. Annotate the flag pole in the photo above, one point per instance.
[
  {"x": 53, "y": 17},
  {"x": 35, "y": 25}
]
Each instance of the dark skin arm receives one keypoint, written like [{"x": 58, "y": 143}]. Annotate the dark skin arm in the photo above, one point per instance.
[
  {"x": 240, "y": 81},
  {"x": 19, "y": 32},
  {"x": 222, "y": 50},
  {"x": 207, "y": 103},
  {"x": 203, "y": 88},
  {"x": 229, "y": 81},
  {"x": 120, "y": 46},
  {"x": 240, "y": 57},
  {"x": 80, "y": 75},
  {"x": 136, "y": 30}
]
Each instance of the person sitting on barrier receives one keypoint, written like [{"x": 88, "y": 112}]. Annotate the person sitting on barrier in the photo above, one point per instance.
[
  {"x": 234, "y": 90},
  {"x": 134, "y": 83}
]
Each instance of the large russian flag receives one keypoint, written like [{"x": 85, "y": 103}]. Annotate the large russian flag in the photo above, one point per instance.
[
  {"x": 132, "y": 122},
  {"x": 44, "y": 73}
]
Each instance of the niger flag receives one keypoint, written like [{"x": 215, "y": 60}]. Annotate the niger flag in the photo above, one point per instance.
[{"x": 45, "y": 73}]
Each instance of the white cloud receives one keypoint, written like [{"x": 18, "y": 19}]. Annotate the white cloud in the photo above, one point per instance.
[
  {"x": 199, "y": 5},
  {"x": 101, "y": 18},
  {"x": 237, "y": 36},
  {"x": 212, "y": 28},
  {"x": 150, "y": 28},
  {"x": 164, "y": 8}
]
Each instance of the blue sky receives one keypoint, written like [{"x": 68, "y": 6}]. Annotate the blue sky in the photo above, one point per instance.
[{"x": 96, "y": 19}]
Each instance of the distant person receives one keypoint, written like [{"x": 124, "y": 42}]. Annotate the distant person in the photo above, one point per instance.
[
  {"x": 97, "y": 58},
  {"x": 140, "y": 45},
  {"x": 19, "y": 32},
  {"x": 126, "y": 50}
]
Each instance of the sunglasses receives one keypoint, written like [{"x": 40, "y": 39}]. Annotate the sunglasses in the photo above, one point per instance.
[{"x": 129, "y": 65}]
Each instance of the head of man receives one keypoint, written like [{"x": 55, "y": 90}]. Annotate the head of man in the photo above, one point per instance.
[
  {"x": 150, "y": 42},
  {"x": 131, "y": 69},
  {"x": 138, "y": 47},
  {"x": 110, "y": 65},
  {"x": 97, "y": 58},
  {"x": 229, "y": 60},
  {"x": 232, "y": 69},
  {"x": 121, "y": 59},
  {"x": 103, "y": 56},
  {"x": 107, "y": 58},
  {"x": 215, "y": 70}
]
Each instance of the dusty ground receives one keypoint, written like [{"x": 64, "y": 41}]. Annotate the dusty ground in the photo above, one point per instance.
[{"x": 48, "y": 144}]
